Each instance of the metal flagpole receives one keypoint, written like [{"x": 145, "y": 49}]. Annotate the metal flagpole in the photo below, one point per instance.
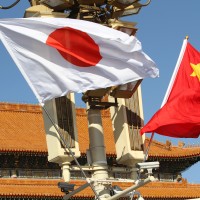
[
  {"x": 175, "y": 70},
  {"x": 68, "y": 148},
  {"x": 147, "y": 150}
]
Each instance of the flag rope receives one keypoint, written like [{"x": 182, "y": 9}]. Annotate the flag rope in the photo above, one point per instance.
[{"x": 70, "y": 151}]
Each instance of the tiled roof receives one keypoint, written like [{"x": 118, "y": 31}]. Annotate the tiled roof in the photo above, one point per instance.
[
  {"x": 173, "y": 190},
  {"x": 158, "y": 149},
  {"x": 22, "y": 130},
  {"x": 49, "y": 188},
  {"x": 25, "y": 187}
]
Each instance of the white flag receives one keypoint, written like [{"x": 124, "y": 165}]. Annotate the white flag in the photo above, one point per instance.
[{"x": 59, "y": 55}]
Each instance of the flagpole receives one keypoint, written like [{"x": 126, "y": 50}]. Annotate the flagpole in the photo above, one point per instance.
[
  {"x": 147, "y": 150},
  {"x": 68, "y": 148},
  {"x": 175, "y": 70}
]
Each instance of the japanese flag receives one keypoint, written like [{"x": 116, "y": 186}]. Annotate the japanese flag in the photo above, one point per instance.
[{"x": 59, "y": 55}]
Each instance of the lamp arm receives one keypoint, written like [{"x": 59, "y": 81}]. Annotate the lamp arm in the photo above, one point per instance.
[
  {"x": 12, "y": 5},
  {"x": 131, "y": 188},
  {"x": 146, "y": 4}
]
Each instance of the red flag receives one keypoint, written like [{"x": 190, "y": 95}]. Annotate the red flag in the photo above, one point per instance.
[{"x": 180, "y": 115}]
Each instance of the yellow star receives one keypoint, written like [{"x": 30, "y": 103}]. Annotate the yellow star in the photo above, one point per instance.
[{"x": 196, "y": 71}]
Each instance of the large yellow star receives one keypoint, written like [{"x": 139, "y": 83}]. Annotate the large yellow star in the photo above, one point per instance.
[{"x": 196, "y": 71}]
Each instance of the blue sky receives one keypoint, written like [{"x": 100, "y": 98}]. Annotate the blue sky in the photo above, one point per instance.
[{"x": 162, "y": 26}]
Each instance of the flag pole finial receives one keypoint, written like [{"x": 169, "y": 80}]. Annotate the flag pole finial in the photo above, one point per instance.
[{"x": 186, "y": 37}]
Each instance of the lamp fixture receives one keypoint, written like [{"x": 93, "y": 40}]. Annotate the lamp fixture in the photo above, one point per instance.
[
  {"x": 58, "y": 5},
  {"x": 125, "y": 91},
  {"x": 124, "y": 8}
]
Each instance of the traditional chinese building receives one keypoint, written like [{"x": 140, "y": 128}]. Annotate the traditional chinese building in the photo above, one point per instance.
[{"x": 26, "y": 173}]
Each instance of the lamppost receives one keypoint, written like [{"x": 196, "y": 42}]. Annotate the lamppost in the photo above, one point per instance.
[{"x": 124, "y": 101}]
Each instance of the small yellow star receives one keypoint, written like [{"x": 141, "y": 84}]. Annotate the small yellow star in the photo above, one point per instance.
[{"x": 196, "y": 71}]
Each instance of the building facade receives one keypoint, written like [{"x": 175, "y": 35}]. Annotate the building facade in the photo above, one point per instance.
[{"x": 26, "y": 173}]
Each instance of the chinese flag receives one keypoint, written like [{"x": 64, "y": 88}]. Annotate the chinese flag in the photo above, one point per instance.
[{"x": 180, "y": 115}]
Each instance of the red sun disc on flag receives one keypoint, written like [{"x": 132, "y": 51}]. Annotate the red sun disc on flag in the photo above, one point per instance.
[{"x": 75, "y": 46}]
